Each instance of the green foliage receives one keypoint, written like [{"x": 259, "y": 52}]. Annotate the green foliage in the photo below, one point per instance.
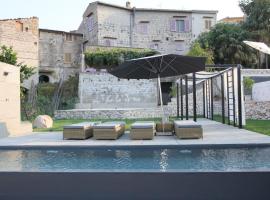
[
  {"x": 226, "y": 42},
  {"x": 43, "y": 104},
  {"x": 25, "y": 72},
  {"x": 197, "y": 50},
  {"x": 248, "y": 83},
  {"x": 7, "y": 55},
  {"x": 173, "y": 91},
  {"x": 69, "y": 95},
  {"x": 257, "y": 21},
  {"x": 110, "y": 58}
]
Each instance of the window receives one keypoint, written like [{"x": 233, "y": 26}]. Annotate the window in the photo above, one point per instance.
[
  {"x": 90, "y": 22},
  {"x": 208, "y": 24},
  {"x": 180, "y": 45},
  {"x": 67, "y": 58},
  {"x": 19, "y": 26},
  {"x": 154, "y": 46},
  {"x": 68, "y": 37},
  {"x": 180, "y": 25},
  {"x": 143, "y": 27}
]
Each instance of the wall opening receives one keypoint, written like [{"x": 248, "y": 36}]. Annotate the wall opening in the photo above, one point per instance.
[{"x": 44, "y": 79}]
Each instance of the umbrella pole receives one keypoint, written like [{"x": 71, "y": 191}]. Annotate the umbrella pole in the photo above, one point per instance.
[
  {"x": 161, "y": 101},
  {"x": 266, "y": 60}
]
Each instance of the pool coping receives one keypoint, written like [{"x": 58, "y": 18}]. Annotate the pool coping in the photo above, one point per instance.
[{"x": 165, "y": 146}]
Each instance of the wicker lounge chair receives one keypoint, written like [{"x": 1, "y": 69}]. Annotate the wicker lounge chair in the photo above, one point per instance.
[
  {"x": 142, "y": 131},
  {"x": 79, "y": 131},
  {"x": 109, "y": 130},
  {"x": 188, "y": 129}
]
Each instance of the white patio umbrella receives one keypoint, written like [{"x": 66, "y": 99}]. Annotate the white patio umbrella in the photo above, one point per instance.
[{"x": 260, "y": 46}]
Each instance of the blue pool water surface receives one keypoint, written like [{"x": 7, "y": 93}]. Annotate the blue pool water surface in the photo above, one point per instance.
[{"x": 86, "y": 160}]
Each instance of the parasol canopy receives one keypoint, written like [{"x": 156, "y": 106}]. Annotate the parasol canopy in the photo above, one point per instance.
[
  {"x": 161, "y": 66},
  {"x": 259, "y": 46}
]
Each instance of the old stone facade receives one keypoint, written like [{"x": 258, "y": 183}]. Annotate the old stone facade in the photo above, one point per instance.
[
  {"x": 23, "y": 35},
  {"x": 105, "y": 91},
  {"x": 167, "y": 31},
  {"x": 59, "y": 54}
]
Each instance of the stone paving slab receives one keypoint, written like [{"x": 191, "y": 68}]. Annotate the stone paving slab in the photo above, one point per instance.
[{"x": 214, "y": 134}]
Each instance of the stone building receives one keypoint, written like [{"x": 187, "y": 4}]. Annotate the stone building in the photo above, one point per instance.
[
  {"x": 23, "y": 35},
  {"x": 167, "y": 31},
  {"x": 59, "y": 54}
]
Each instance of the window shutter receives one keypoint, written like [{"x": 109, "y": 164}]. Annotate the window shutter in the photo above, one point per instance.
[
  {"x": 173, "y": 25},
  {"x": 90, "y": 23},
  {"x": 187, "y": 25}
]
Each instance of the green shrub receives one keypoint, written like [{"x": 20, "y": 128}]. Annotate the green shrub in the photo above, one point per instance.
[
  {"x": 248, "y": 84},
  {"x": 110, "y": 58}
]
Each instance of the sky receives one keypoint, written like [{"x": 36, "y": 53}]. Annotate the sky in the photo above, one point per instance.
[{"x": 66, "y": 15}]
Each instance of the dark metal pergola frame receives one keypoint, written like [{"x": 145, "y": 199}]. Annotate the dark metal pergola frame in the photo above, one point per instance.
[{"x": 208, "y": 96}]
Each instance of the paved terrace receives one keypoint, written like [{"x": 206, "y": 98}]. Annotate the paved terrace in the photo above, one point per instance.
[{"x": 214, "y": 134}]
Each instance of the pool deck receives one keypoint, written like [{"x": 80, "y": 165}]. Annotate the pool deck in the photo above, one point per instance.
[{"x": 215, "y": 134}]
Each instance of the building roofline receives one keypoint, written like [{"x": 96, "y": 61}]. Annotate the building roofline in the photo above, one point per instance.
[
  {"x": 59, "y": 32},
  {"x": 21, "y": 18},
  {"x": 232, "y": 18},
  {"x": 156, "y": 10}
]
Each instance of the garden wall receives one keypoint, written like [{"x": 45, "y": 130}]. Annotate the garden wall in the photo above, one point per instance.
[{"x": 104, "y": 91}]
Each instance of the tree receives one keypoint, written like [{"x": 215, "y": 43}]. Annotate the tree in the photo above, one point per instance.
[
  {"x": 257, "y": 18},
  {"x": 197, "y": 50},
  {"x": 7, "y": 55},
  {"x": 226, "y": 42}
]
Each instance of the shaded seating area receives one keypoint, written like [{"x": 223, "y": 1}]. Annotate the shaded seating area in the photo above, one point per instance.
[
  {"x": 109, "y": 130},
  {"x": 142, "y": 131},
  {"x": 80, "y": 131},
  {"x": 189, "y": 74}
]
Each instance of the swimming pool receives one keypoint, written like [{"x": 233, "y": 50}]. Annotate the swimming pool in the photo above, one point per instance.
[
  {"x": 132, "y": 173},
  {"x": 130, "y": 160}
]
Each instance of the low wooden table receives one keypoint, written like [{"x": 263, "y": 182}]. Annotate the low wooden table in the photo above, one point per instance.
[{"x": 165, "y": 129}]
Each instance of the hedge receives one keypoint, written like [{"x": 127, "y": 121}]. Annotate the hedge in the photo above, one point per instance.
[{"x": 110, "y": 58}]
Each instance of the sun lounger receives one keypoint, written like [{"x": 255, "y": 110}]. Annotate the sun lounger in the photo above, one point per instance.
[
  {"x": 109, "y": 130},
  {"x": 142, "y": 131},
  {"x": 79, "y": 131},
  {"x": 188, "y": 129}
]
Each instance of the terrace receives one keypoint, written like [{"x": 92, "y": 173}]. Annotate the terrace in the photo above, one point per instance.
[{"x": 216, "y": 134}]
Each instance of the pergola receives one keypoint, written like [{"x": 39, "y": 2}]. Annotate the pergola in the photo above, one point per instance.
[{"x": 231, "y": 93}]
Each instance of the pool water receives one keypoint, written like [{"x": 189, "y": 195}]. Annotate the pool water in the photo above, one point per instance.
[{"x": 86, "y": 160}]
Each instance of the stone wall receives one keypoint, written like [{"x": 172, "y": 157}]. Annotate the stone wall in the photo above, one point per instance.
[
  {"x": 22, "y": 34},
  {"x": 109, "y": 113},
  {"x": 52, "y": 49},
  {"x": 102, "y": 90},
  {"x": 257, "y": 110},
  {"x": 90, "y": 35}
]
